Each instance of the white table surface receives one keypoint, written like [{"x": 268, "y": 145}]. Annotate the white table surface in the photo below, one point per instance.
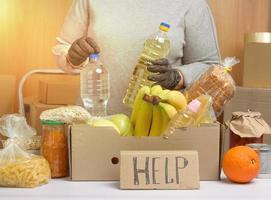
[{"x": 66, "y": 189}]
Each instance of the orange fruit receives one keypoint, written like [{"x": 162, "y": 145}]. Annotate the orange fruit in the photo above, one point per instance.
[{"x": 241, "y": 164}]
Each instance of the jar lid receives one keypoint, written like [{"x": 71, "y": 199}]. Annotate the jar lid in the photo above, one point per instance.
[{"x": 51, "y": 122}]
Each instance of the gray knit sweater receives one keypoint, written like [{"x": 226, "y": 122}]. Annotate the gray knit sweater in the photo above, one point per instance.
[{"x": 120, "y": 28}]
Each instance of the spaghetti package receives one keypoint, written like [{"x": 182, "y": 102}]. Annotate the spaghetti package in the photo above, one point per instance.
[
  {"x": 217, "y": 83},
  {"x": 17, "y": 167}
]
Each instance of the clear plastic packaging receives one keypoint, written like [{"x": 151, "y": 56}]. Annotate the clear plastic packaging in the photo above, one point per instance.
[
  {"x": 17, "y": 167},
  {"x": 217, "y": 83},
  {"x": 32, "y": 143},
  {"x": 10, "y": 124}
]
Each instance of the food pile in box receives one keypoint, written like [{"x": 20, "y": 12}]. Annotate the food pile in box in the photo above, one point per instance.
[{"x": 155, "y": 112}]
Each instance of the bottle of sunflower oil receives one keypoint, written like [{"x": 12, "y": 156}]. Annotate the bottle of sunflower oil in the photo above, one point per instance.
[{"x": 154, "y": 48}]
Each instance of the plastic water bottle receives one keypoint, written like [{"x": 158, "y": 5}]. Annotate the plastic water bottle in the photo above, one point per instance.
[
  {"x": 95, "y": 87},
  {"x": 154, "y": 48}
]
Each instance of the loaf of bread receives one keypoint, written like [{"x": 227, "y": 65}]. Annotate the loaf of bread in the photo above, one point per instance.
[{"x": 217, "y": 83}]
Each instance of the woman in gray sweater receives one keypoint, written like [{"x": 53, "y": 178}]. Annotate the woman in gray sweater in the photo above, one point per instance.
[{"x": 118, "y": 30}]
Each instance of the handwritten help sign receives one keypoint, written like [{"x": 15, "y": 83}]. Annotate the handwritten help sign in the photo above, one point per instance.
[{"x": 159, "y": 170}]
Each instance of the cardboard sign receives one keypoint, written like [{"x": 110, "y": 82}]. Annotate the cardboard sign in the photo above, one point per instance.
[{"x": 159, "y": 170}]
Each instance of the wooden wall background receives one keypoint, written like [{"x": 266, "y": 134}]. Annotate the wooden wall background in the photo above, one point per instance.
[
  {"x": 28, "y": 29},
  {"x": 233, "y": 19}
]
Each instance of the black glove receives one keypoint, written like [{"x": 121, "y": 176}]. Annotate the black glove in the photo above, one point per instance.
[{"x": 166, "y": 76}]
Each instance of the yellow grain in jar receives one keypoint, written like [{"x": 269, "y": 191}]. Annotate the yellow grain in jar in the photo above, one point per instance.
[{"x": 54, "y": 147}]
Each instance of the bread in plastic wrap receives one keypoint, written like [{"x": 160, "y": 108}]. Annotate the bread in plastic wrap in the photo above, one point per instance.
[
  {"x": 217, "y": 83},
  {"x": 67, "y": 114}
]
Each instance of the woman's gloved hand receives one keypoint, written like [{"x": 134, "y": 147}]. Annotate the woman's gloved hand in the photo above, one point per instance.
[
  {"x": 81, "y": 49},
  {"x": 166, "y": 76}
]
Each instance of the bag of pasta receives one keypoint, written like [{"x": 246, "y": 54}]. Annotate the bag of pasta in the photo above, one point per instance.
[
  {"x": 217, "y": 83},
  {"x": 17, "y": 167}
]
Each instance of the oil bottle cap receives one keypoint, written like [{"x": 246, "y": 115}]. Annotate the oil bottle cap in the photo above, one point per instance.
[
  {"x": 194, "y": 106},
  {"x": 94, "y": 56},
  {"x": 164, "y": 26}
]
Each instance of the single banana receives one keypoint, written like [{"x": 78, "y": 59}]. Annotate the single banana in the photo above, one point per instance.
[
  {"x": 169, "y": 109},
  {"x": 156, "y": 90},
  {"x": 165, "y": 120},
  {"x": 143, "y": 119},
  {"x": 137, "y": 103},
  {"x": 157, "y": 122},
  {"x": 176, "y": 99},
  {"x": 163, "y": 94}
]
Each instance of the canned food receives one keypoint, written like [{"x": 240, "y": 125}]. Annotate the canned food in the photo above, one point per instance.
[
  {"x": 264, "y": 151},
  {"x": 54, "y": 147}
]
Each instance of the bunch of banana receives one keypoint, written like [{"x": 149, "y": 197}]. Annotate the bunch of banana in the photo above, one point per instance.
[{"x": 154, "y": 108}]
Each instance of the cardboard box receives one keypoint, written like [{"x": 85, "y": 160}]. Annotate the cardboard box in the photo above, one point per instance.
[
  {"x": 7, "y": 88},
  {"x": 35, "y": 110},
  {"x": 254, "y": 99},
  {"x": 95, "y": 151},
  {"x": 58, "y": 93},
  {"x": 257, "y": 65},
  {"x": 27, "y": 104}
]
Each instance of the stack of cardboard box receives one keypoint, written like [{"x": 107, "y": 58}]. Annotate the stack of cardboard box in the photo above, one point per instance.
[
  {"x": 257, "y": 60},
  {"x": 255, "y": 93},
  {"x": 51, "y": 95}
]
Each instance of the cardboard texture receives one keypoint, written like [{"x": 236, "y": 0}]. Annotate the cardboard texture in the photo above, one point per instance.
[
  {"x": 255, "y": 99},
  {"x": 257, "y": 65},
  {"x": 58, "y": 93},
  {"x": 159, "y": 170},
  {"x": 7, "y": 88},
  {"x": 34, "y": 117},
  {"x": 27, "y": 103},
  {"x": 93, "y": 150}
]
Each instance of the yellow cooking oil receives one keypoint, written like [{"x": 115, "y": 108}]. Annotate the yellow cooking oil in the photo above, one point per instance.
[{"x": 154, "y": 48}]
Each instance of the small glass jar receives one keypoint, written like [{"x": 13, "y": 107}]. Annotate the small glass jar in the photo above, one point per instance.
[
  {"x": 236, "y": 140},
  {"x": 54, "y": 147}
]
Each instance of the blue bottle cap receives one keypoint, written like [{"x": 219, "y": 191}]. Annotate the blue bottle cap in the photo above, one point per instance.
[
  {"x": 165, "y": 24},
  {"x": 94, "y": 56}
]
